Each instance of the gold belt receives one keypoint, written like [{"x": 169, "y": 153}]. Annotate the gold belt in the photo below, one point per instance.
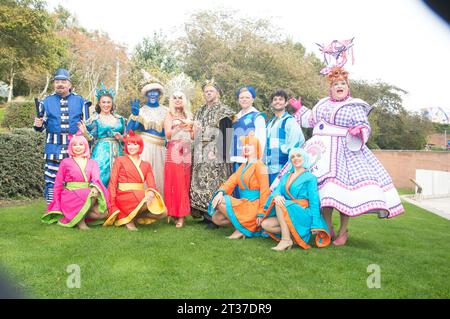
[
  {"x": 153, "y": 139},
  {"x": 131, "y": 187}
]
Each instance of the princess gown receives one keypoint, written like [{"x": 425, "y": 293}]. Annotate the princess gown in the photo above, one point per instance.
[{"x": 106, "y": 147}]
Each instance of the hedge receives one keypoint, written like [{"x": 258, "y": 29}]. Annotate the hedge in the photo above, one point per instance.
[
  {"x": 21, "y": 164},
  {"x": 19, "y": 115}
]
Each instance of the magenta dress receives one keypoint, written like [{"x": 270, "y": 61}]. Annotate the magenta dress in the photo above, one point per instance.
[{"x": 72, "y": 193}]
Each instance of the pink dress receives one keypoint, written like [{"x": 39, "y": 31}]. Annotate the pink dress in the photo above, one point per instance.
[{"x": 72, "y": 193}]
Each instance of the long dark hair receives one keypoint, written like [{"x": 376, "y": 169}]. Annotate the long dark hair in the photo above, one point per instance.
[{"x": 97, "y": 106}]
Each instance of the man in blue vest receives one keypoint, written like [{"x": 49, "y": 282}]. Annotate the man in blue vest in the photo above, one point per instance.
[
  {"x": 59, "y": 115},
  {"x": 283, "y": 134}
]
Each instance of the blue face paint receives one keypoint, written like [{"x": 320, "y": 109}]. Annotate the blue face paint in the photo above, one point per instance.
[{"x": 153, "y": 98}]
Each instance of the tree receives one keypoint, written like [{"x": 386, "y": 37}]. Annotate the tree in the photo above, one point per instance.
[
  {"x": 238, "y": 52},
  {"x": 156, "y": 52},
  {"x": 392, "y": 126},
  {"x": 27, "y": 40}
]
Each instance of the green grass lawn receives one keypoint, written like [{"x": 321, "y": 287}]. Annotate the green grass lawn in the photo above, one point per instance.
[{"x": 159, "y": 261}]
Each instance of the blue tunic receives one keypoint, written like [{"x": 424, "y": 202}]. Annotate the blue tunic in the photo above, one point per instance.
[{"x": 61, "y": 115}]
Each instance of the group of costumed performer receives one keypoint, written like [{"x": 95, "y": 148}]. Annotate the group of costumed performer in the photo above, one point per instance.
[
  {"x": 133, "y": 193},
  {"x": 79, "y": 195},
  {"x": 350, "y": 178}
]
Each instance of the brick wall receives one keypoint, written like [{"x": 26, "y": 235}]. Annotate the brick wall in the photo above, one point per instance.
[{"x": 402, "y": 165}]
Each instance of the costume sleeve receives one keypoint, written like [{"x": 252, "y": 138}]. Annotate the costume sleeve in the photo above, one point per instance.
[
  {"x": 112, "y": 187},
  {"x": 313, "y": 197},
  {"x": 124, "y": 126},
  {"x": 304, "y": 117},
  {"x": 134, "y": 124},
  {"x": 96, "y": 182},
  {"x": 55, "y": 205},
  {"x": 359, "y": 119},
  {"x": 225, "y": 144},
  {"x": 262, "y": 174},
  {"x": 92, "y": 129},
  {"x": 230, "y": 184},
  {"x": 44, "y": 111},
  {"x": 150, "y": 179},
  {"x": 260, "y": 132},
  {"x": 86, "y": 106},
  {"x": 294, "y": 136}
]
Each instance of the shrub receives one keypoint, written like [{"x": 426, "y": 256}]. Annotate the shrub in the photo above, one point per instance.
[
  {"x": 21, "y": 164},
  {"x": 19, "y": 115}
]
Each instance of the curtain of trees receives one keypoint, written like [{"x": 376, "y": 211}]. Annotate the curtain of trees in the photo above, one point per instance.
[{"x": 216, "y": 44}]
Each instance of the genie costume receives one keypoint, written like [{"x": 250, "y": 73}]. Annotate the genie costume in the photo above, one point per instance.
[
  {"x": 61, "y": 115},
  {"x": 148, "y": 121}
]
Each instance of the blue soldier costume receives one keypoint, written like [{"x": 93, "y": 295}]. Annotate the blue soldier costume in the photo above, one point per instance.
[{"x": 61, "y": 115}]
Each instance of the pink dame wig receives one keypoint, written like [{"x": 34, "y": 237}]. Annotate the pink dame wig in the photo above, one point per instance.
[{"x": 77, "y": 138}]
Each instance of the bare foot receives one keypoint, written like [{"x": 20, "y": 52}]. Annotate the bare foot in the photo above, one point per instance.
[
  {"x": 236, "y": 235},
  {"x": 82, "y": 225},
  {"x": 131, "y": 226}
]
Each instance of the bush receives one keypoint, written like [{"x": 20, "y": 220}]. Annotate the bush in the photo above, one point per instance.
[
  {"x": 19, "y": 115},
  {"x": 21, "y": 164}
]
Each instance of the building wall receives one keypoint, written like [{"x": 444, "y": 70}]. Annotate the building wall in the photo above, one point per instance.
[
  {"x": 402, "y": 165},
  {"x": 439, "y": 140}
]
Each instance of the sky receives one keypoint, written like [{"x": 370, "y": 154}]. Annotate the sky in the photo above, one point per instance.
[{"x": 399, "y": 42}]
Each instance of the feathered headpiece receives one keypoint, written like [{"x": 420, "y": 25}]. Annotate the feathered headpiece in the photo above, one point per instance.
[
  {"x": 181, "y": 83},
  {"x": 337, "y": 50},
  {"x": 104, "y": 91},
  {"x": 150, "y": 82}
]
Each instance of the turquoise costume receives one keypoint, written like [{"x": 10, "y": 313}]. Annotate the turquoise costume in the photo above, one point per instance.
[
  {"x": 106, "y": 148},
  {"x": 302, "y": 213}
]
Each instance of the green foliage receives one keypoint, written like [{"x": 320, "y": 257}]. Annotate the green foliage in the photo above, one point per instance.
[
  {"x": 441, "y": 128},
  {"x": 21, "y": 164},
  {"x": 28, "y": 43},
  {"x": 237, "y": 52},
  {"x": 159, "y": 261},
  {"x": 156, "y": 52},
  {"x": 392, "y": 126},
  {"x": 19, "y": 115}
]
